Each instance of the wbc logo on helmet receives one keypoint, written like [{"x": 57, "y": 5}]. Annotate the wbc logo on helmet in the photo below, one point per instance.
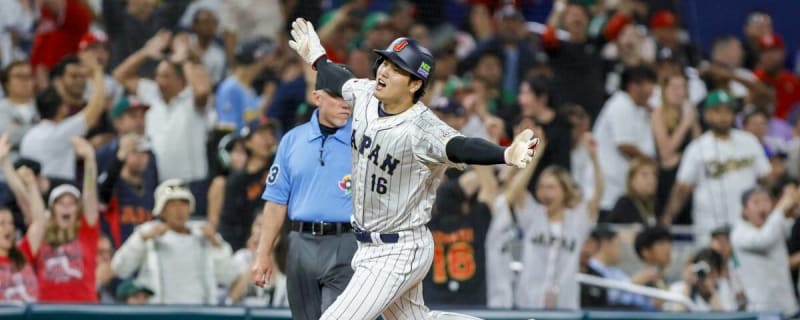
[{"x": 399, "y": 47}]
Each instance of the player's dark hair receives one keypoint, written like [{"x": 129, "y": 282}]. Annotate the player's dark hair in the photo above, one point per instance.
[
  {"x": 5, "y": 74},
  {"x": 61, "y": 66},
  {"x": 48, "y": 102},
  {"x": 649, "y": 237},
  {"x": 637, "y": 74},
  {"x": 711, "y": 257},
  {"x": 749, "y": 193},
  {"x": 421, "y": 91}
]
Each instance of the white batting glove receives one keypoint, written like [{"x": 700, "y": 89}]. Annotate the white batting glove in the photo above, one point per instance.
[
  {"x": 520, "y": 152},
  {"x": 306, "y": 41}
]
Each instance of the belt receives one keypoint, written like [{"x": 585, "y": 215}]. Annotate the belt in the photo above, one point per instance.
[
  {"x": 364, "y": 236},
  {"x": 321, "y": 228}
]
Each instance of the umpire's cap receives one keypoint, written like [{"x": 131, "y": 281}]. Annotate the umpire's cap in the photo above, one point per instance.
[{"x": 410, "y": 56}]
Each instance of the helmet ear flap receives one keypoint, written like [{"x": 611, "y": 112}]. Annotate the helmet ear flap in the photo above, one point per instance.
[{"x": 375, "y": 65}]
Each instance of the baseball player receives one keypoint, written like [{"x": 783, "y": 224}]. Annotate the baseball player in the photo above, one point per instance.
[{"x": 400, "y": 150}]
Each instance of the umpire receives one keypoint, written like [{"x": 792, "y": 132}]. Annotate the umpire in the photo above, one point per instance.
[{"x": 310, "y": 179}]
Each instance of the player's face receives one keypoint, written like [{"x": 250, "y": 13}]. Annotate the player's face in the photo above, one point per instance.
[
  {"x": 661, "y": 251},
  {"x": 394, "y": 85},
  {"x": 176, "y": 213},
  {"x": 549, "y": 190},
  {"x": 333, "y": 110},
  {"x": 6, "y": 230},
  {"x": 757, "y": 208},
  {"x": 65, "y": 211},
  {"x": 644, "y": 181}
]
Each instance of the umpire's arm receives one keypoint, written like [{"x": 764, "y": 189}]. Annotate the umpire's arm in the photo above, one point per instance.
[{"x": 274, "y": 215}]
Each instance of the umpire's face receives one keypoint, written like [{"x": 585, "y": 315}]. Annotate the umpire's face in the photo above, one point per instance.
[{"x": 333, "y": 110}]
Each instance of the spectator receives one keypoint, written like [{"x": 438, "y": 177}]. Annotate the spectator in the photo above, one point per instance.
[
  {"x": 511, "y": 43},
  {"x": 674, "y": 126},
  {"x": 131, "y": 23},
  {"x": 460, "y": 220},
  {"x": 243, "y": 291},
  {"x": 19, "y": 283},
  {"x": 757, "y": 25},
  {"x": 236, "y": 102},
  {"x": 128, "y": 116},
  {"x": 726, "y": 72},
  {"x": 126, "y": 187},
  {"x": 176, "y": 122},
  {"x": 60, "y": 28},
  {"x": 243, "y": 187},
  {"x": 624, "y": 129},
  {"x": 534, "y": 102},
  {"x": 554, "y": 227},
  {"x": 246, "y": 20},
  {"x": 591, "y": 296},
  {"x": 69, "y": 77},
  {"x": 771, "y": 70},
  {"x": 628, "y": 50},
  {"x": 700, "y": 283},
  {"x": 580, "y": 162},
  {"x": 18, "y": 18},
  {"x": 232, "y": 155},
  {"x": 64, "y": 250},
  {"x": 731, "y": 290},
  {"x": 756, "y": 122},
  {"x": 48, "y": 141},
  {"x": 340, "y": 30},
  {"x": 667, "y": 64},
  {"x": 196, "y": 256},
  {"x": 606, "y": 263},
  {"x": 17, "y": 109},
  {"x": 759, "y": 244},
  {"x": 97, "y": 44},
  {"x": 204, "y": 32},
  {"x": 104, "y": 276},
  {"x": 577, "y": 61},
  {"x": 653, "y": 246},
  {"x": 664, "y": 26},
  {"x": 128, "y": 292},
  {"x": 718, "y": 166},
  {"x": 639, "y": 205}
]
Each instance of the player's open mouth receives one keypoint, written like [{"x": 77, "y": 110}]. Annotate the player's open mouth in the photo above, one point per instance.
[{"x": 380, "y": 84}]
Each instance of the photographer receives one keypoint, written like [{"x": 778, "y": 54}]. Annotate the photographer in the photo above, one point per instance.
[{"x": 699, "y": 283}]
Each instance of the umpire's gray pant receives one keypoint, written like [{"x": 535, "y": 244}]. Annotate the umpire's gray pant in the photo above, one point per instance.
[{"x": 317, "y": 271}]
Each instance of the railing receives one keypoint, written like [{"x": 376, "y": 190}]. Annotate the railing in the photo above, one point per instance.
[{"x": 155, "y": 312}]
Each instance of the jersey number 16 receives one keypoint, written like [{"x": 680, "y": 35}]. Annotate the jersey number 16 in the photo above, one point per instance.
[{"x": 379, "y": 184}]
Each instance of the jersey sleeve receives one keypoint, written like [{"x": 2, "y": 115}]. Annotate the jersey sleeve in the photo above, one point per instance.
[
  {"x": 431, "y": 145},
  {"x": 357, "y": 92},
  {"x": 279, "y": 182}
]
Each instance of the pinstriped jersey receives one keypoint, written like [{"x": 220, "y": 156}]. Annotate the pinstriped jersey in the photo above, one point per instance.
[{"x": 398, "y": 161}]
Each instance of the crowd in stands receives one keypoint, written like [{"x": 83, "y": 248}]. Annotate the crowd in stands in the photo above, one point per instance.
[{"x": 136, "y": 137}]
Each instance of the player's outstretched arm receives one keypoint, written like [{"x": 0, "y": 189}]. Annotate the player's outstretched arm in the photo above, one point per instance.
[
  {"x": 306, "y": 43},
  {"x": 482, "y": 152}
]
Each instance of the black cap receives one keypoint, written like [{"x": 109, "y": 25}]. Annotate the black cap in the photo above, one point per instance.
[
  {"x": 603, "y": 231},
  {"x": 34, "y": 165},
  {"x": 447, "y": 106},
  {"x": 724, "y": 229}
]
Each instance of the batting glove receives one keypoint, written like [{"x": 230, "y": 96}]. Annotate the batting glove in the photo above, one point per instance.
[
  {"x": 305, "y": 41},
  {"x": 520, "y": 152}
]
